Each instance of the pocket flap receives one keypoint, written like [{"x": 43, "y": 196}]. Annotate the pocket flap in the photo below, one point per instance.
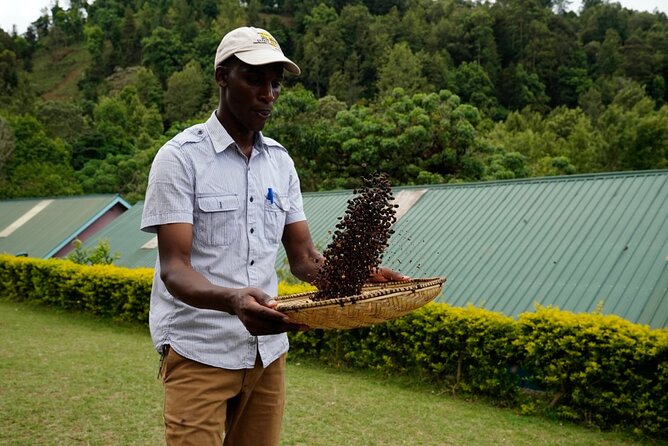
[{"x": 218, "y": 203}]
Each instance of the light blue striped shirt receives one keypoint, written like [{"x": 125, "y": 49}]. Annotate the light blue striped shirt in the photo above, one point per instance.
[{"x": 200, "y": 177}]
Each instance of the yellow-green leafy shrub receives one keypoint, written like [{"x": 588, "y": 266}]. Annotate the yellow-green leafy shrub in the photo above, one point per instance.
[
  {"x": 468, "y": 349},
  {"x": 288, "y": 288},
  {"x": 602, "y": 370},
  {"x": 103, "y": 290}
]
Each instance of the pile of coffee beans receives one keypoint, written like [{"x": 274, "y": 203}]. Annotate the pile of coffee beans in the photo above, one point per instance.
[{"x": 359, "y": 241}]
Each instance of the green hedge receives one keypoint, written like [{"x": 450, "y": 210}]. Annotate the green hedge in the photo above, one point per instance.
[
  {"x": 104, "y": 290},
  {"x": 599, "y": 370}
]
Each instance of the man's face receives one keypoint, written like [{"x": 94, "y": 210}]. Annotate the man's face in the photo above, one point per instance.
[{"x": 248, "y": 93}]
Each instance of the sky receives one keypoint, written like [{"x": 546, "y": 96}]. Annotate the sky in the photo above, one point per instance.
[{"x": 23, "y": 12}]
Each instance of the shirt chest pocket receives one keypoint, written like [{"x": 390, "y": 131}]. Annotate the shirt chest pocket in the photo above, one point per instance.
[
  {"x": 218, "y": 214},
  {"x": 275, "y": 212}
]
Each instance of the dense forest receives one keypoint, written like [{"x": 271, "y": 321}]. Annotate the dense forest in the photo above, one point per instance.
[{"x": 429, "y": 91}]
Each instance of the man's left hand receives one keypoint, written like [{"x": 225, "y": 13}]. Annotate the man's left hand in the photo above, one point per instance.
[{"x": 382, "y": 274}]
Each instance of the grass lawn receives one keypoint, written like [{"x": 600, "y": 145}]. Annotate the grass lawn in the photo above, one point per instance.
[{"x": 72, "y": 379}]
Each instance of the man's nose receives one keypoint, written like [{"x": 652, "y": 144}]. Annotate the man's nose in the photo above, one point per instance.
[{"x": 268, "y": 92}]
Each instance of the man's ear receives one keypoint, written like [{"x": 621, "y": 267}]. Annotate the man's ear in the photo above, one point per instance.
[{"x": 222, "y": 72}]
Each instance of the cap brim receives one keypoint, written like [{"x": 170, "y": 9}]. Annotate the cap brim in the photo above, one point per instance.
[{"x": 264, "y": 57}]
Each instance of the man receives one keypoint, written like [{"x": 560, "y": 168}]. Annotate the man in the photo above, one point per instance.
[{"x": 221, "y": 196}]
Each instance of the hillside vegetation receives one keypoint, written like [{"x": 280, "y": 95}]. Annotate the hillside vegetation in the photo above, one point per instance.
[
  {"x": 55, "y": 75},
  {"x": 429, "y": 91}
]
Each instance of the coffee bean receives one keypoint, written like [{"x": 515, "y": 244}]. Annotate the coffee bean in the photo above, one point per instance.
[{"x": 359, "y": 241}]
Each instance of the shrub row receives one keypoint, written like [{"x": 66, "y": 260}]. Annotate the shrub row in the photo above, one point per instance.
[
  {"x": 599, "y": 370},
  {"x": 591, "y": 368},
  {"x": 103, "y": 290}
]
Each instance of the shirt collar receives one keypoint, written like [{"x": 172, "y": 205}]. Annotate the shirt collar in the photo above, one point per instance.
[{"x": 221, "y": 138}]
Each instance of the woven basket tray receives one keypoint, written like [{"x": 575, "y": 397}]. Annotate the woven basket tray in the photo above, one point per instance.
[{"x": 377, "y": 303}]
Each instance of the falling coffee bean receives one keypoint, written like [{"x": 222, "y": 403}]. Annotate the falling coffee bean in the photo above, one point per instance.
[{"x": 360, "y": 240}]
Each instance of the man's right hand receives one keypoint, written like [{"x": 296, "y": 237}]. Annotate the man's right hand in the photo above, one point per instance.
[{"x": 255, "y": 309}]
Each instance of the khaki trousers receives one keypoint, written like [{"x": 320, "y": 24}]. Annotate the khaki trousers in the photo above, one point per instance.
[{"x": 210, "y": 406}]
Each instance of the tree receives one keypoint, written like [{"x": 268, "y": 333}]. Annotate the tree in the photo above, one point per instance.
[
  {"x": 382, "y": 7},
  {"x": 253, "y": 12},
  {"x": 296, "y": 121},
  {"x": 96, "y": 71},
  {"x": 598, "y": 17},
  {"x": 346, "y": 84},
  {"x": 412, "y": 25},
  {"x": 576, "y": 140},
  {"x": 43, "y": 179},
  {"x": 360, "y": 67},
  {"x": 553, "y": 52},
  {"x": 163, "y": 52},
  {"x": 609, "y": 59},
  {"x": 591, "y": 103},
  {"x": 404, "y": 135},
  {"x": 231, "y": 15},
  {"x": 180, "y": 19},
  {"x": 479, "y": 41},
  {"x": 637, "y": 60},
  {"x": 563, "y": 142},
  {"x": 62, "y": 119},
  {"x": 657, "y": 89},
  {"x": 41, "y": 25},
  {"x": 520, "y": 89},
  {"x": 505, "y": 166},
  {"x": 100, "y": 254},
  {"x": 148, "y": 88},
  {"x": 473, "y": 85},
  {"x": 9, "y": 78},
  {"x": 635, "y": 134},
  {"x": 324, "y": 48},
  {"x": 130, "y": 39},
  {"x": 69, "y": 22},
  {"x": 32, "y": 145},
  {"x": 402, "y": 69},
  {"x": 7, "y": 144},
  {"x": 187, "y": 91},
  {"x": 517, "y": 24},
  {"x": 573, "y": 82},
  {"x": 121, "y": 120},
  {"x": 118, "y": 174}
]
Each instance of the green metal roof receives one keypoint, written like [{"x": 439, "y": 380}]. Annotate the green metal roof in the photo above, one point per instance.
[
  {"x": 126, "y": 239},
  {"x": 575, "y": 242},
  {"x": 569, "y": 242},
  {"x": 40, "y": 227}
]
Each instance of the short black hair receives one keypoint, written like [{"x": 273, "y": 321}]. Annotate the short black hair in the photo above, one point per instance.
[{"x": 229, "y": 62}]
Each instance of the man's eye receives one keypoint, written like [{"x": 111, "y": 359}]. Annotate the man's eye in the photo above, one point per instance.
[{"x": 277, "y": 84}]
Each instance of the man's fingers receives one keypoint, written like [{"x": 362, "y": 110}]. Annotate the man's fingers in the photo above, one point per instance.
[
  {"x": 262, "y": 298},
  {"x": 387, "y": 275}
]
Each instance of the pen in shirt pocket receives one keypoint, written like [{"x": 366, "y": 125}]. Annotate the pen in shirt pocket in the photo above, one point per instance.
[{"x": 270, "y": 195}]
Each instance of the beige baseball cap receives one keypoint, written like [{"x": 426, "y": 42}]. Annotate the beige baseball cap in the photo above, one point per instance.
[{"x": 254, "y": 46}]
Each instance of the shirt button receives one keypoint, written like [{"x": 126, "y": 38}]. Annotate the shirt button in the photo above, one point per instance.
[
  {"x": 251, "y": 199},
  {"x": 252, "y": 262},
  {"x": 252, "y": 230}
]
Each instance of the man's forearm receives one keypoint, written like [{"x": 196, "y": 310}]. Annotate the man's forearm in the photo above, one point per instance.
[{"x": 194, "y": 289}]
